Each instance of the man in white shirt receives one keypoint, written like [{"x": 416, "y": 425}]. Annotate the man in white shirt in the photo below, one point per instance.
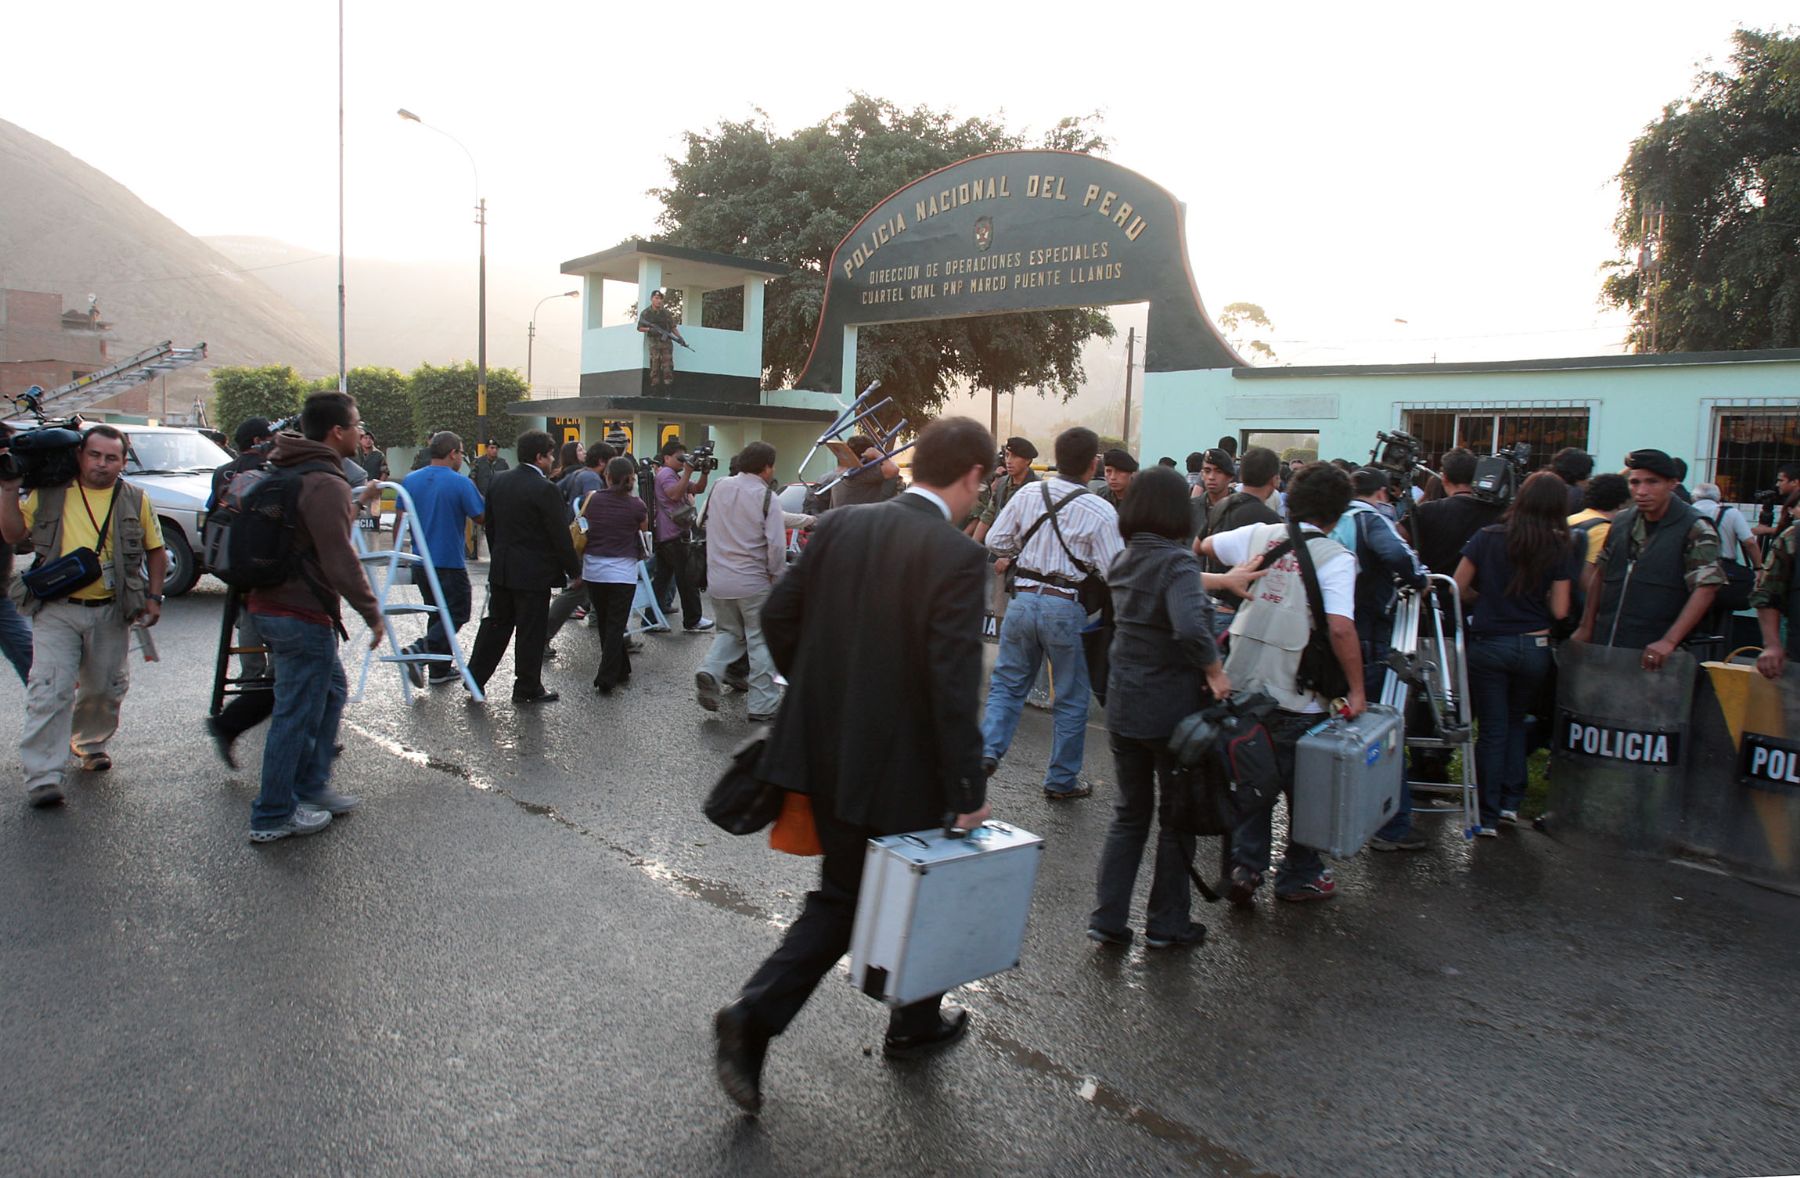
[
  {"x": 1268, "y": 636},
  {"x": 746, "y": 551},
  {"x": 1047, "y": 560}
]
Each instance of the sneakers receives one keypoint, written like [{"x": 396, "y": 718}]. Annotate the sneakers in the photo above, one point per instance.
[
  {"x": 1040, "y": 700},
  {"x": 1510, "y": 817},
  {"x": 1192, "y": 935},
  {"x": 737, "y": 683},
  {"x": 1412, "y": 840},
  {"x": 47, "y": 794},
  {"x": 1321, "y": 887},
  {"x": 304, "y": 820},
  {"x": 415, "y": 673},
  {"x": 1487, "y": 832},
  {"x": 96, "y": 762},
  {"x": 706, "y": 690},
  {"x": 449, "y": 674},
  {"x": 1100, "y": 935},
  {"x": 332, "y": 802},
  {"x": 700, "y": 627},
  {"x": 1080, "y": 789}
]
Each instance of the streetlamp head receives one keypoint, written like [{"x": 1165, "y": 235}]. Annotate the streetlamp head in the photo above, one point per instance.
[
  {"x": 407, "y": 114},
  {"x": 571, "y": 294}
]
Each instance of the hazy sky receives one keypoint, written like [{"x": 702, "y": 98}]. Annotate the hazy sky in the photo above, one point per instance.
[{"x": 1449, "y": 165}]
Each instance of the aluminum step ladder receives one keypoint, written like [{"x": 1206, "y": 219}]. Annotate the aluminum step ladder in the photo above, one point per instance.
[
  {"x": 409, "y": 552},
  {"x": 1436, "y": 666},
  {"x": 644, "y": 601}
]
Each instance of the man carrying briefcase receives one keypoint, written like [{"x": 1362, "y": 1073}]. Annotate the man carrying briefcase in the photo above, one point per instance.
[{"x": 877, "y": 755}]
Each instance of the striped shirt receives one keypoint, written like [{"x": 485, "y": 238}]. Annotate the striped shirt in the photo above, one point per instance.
[{"x": 1088, "y": 523}]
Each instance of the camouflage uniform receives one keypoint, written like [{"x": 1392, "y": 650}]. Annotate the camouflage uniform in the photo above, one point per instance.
[
  {"x": 1000, "y": 490},
  {"x": 1777, "y": 577},
  {"x": 662, "y": 351}
]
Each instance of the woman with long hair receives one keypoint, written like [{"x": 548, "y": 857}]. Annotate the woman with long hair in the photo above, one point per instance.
[
  {"x": 1164, "y": 666},
  {"x": 1517, "y": 574},
  {"x": 616, "y": 519},
  {"x": 567, "y": 459}
]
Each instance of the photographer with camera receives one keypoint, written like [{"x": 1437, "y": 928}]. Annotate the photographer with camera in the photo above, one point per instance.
[
  {"x": 100, "y": 566},
  {"x": 672, "y": 518},
  {"x": 1778, "y": 505}
]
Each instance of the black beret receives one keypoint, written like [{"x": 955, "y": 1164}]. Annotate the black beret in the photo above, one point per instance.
[
  {"x": 1654, "y": 461},
  {"x": 1022, "y": 447},
  {"x": 1120, "y": 460}
]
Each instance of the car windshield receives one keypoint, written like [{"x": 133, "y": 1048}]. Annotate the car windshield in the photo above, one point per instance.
[{"x": 177, "y": 452}]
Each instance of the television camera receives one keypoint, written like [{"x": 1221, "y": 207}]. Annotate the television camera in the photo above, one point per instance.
[
  {"x": 1498, "y": 475},
  {"x": 46, "y": 454},
  {"x": 702, "y": 460}
]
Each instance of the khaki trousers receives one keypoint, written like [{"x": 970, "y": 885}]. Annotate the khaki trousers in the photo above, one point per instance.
[{"x": 78, "y": 679}]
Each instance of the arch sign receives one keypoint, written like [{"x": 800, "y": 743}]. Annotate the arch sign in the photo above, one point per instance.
[{"x": 1016, "y": 231}]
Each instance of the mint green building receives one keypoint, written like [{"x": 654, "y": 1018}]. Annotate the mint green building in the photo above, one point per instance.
[{"x": 1734, "y": 416}]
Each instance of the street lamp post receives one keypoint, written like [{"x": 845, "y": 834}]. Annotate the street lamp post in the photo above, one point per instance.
[
  {"x": 531, "y": 328},
  {"x": 481, "y": 312}
]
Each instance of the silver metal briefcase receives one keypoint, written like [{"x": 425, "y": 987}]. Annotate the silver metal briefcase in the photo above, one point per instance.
[
  {"x": 1347, "y": 780},
  {"x": 936, "y": 912}
]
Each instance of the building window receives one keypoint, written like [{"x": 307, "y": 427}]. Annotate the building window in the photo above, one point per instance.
[
  {"x": 1288, "y": 444},
  {"x": 1748, "y": 446},
  {"x": 1485, "y": 431}
]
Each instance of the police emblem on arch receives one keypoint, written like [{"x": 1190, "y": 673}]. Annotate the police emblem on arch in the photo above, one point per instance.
[{"x": 984, "y": 233}]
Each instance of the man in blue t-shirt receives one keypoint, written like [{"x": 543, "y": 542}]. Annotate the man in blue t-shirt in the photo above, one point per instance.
[{"x": 444, "y": 499}]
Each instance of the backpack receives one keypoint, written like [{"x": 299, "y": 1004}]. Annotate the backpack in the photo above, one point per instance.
[
  {"x": 1226, "y": 767},
  {"x": 248, "y": 542}
]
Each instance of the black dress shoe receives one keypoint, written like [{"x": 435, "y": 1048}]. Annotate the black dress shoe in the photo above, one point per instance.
[
  {"x": 542, "y": 697},
  {"x": 988, "y": 766},
  {"x": 739, "y": 1056},
  {"x": 953, "y": 1023}
]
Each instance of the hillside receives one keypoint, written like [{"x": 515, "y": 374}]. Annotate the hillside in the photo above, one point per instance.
[{"x": 69, "y": 228}]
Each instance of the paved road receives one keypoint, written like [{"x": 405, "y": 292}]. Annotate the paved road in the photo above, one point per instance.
[{"x": 508, "y": 959}]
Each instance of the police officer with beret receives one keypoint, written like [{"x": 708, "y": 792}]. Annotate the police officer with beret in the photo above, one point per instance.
[{"x": 1659, "y": 571}]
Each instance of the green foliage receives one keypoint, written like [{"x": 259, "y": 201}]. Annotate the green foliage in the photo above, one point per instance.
[
  {"x": 444, "y": 398},
  {"x": 1722, "y": 169},
  {"x": 383, "y": 397},
  {"x": 1289, "y": 453},
  {"x": 272, "y": 391},
  {"x": 1236, "y": 316},
  {"x": 742, "y": 189}
]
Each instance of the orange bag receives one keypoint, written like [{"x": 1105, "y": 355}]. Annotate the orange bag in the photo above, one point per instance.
[{"x": 794, "y": 831}]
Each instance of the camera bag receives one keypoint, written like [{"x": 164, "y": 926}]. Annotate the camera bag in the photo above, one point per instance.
[{"x": 72, "y": 571}]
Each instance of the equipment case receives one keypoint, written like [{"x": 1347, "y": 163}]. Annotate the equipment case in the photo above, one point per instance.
[
  {"x": 1347, "y": 780},
  {"x": 936, "y": 912}
]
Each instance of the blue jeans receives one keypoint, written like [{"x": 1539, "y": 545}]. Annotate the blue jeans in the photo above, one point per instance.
[
  {"x": 309, "y": 702},
  {"x": 1251, "y": 842},
  {"x": 15, "y": 638},
  {"x": 455, "y": 584},
  {"x": 1144, "y": 768},
  {"x": 1039, "y": 626},
  {"x": 1505, "y": 674}
]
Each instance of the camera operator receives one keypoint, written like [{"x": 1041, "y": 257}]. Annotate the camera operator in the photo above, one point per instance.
[
  {"x": 80, "y": 640},
  {"x": 15, "y": 631},
  {"x": 1518, "y": 576},
  {"x": 1659, "y": 572},
  {"x": 672, "y": 517},
  {"x": 1778, "y": 505}
]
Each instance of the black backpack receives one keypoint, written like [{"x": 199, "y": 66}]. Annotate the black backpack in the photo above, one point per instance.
[{"x": 248, "y": 542}]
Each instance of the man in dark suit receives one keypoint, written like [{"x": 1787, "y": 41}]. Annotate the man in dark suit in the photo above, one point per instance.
[
  {"x": 529, "y": 556},
  {"x": 879, "y": 725}
]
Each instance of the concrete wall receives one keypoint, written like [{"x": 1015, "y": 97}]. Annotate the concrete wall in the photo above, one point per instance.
[{"x": 1667, "y": 406}]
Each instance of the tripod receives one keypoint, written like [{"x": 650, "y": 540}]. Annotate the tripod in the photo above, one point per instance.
[{"x": 1423, "y": 659}]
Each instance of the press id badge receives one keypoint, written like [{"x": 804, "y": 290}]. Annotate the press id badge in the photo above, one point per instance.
[{"x": 106, "y": 576}]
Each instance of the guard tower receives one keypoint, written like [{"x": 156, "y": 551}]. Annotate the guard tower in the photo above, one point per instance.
[{"x": 717, "y": 393}]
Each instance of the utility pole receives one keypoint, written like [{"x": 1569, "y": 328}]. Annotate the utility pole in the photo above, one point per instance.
[
  {"x": 1130, "y": 352},
  {"x": 1650, "y": 251},
  {"x": 994, "y": 411},
  {"x": 481, "y": 425}
]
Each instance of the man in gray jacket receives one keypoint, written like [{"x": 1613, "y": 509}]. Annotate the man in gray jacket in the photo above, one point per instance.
[{"x": 746, "y": 551}]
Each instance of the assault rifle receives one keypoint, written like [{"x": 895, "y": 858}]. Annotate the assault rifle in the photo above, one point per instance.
[{"x": 666, "y": 334}]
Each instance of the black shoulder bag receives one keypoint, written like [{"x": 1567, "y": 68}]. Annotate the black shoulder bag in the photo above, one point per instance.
[
  {"x": 1092, "y": 592},
  {"x": 64, "y": 575},
  {"x": 1319, "y": 668}
]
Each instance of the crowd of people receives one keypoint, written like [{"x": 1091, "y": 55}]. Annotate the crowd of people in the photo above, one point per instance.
[{"x": 1155, "y": 592}]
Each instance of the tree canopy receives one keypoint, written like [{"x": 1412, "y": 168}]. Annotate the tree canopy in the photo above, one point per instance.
[
  {"x": 1709, "y": 214},
  {"x": 384, "y": 398},
  {"x": 741, "y": 188},
  {"x": 273, "y": 391},
  {"x": 1236, "y": 318},
  {"x": 444, "y": 398}
]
